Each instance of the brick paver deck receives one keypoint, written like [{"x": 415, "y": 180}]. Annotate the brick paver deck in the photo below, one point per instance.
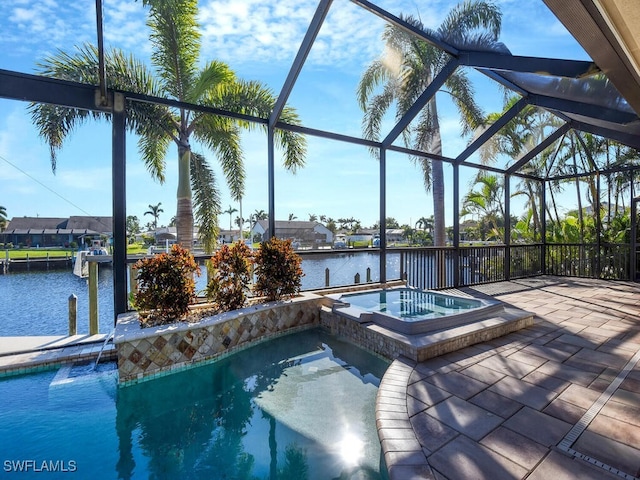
[{"x": 559, "y": 400}]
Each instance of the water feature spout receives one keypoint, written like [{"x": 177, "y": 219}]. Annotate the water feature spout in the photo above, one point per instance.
[{"x": 104, "y": 345}]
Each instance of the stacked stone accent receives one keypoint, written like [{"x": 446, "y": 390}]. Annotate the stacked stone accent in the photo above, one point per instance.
[
  {"x": 366, "y": 335},
  {"x": 149, "y": 352}
]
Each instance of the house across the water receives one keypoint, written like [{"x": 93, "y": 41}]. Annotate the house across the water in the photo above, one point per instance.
[
  {"x": 302, "y": 234},
  {"x": 56, "y": 232}
]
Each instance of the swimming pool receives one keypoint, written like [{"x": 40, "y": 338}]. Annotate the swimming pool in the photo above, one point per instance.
[
  {"x": 413, "y": 311},
  {"x": 300, "y": 406}
]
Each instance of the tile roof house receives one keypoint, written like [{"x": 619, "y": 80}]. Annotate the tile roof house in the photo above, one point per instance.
[
  {"x": 55, "y": 232},
  {"x": 306, "y": 233}
]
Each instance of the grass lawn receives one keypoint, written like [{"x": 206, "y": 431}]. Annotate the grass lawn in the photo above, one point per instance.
[
  {"x": 33, "y": 253},
  {"x": 137, "y": 249},
  {"x": 22, "y": 253}
]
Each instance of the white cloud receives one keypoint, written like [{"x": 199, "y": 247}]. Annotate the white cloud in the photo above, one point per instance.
[{"x": 125, "y": 27}]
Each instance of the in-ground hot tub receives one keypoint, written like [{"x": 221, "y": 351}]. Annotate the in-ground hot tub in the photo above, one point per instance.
[{"x": 412, "y": 311}]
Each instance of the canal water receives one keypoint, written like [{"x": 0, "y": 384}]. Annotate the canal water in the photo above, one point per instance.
[{"x": 36, "y": 303}]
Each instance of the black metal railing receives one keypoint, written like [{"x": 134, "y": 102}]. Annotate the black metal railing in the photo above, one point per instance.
[
  {"x": 526, "y": 260},
  {"x": 481, "y": 264},
  {"x": 434, "y": 267},
  {"x": 607, "y": 261},
  {"x": 428, "y": 268}
]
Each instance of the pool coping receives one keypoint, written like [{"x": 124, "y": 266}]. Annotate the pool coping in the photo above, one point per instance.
[
  {"x": 422, "y": 346},
  {"x": 55, "y": 353},
  {"x": 486, "y": 307}
]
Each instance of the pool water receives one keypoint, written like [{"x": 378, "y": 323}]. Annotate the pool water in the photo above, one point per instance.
[
  {"x": 298, "y": 407},
  {"x": 410, "y": 304}
]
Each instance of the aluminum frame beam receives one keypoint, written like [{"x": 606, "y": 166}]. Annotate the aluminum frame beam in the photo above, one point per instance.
[
  {"x": 301, "y": 57},
  {"x": 493, "y": 75},
  {"x": 37, "y": 89},
  {"x": 625, "y": 138},
  {"x": 579, "y": 108},
  {"x": 119, "y": 202},
  {"x": 595, "y": 33},
  {"x": 421, "y": 101},
  {"x": 294, "y": 71},
  {"x": 398, "y": 22},
  {"x": 493, "y": 129},
  {"x": 522, "y": 64},
  {"x": 538, "y": 148}
]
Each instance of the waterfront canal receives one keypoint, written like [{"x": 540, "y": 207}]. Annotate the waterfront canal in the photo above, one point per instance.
[{"x": 36, "y": 303}]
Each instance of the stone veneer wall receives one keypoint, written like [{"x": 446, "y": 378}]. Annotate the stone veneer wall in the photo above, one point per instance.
[
  {"x": 365, "y": 337},
  {"x": 147, "y": 352}
]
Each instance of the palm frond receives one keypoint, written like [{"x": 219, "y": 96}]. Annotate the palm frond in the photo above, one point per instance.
[
  {"x": 462, "y": 93},
  {"x": 293, "y": 144},
  {"x": 124, "y": 72},
  {"x": 153, "y": 147},
  {"x": 471, "y": 15},
  {"x": 376, "y": 110},
  {"x": 213, "y": 75},
  {"x": 375, "y": 74},
  {"x": 176, "y": 41},
  {"x": 425, "y": 129},
  {"x": 245, "y": 97},
  {"x": 223, "y": 137},
  {"x": 253, "y": 98},
  {"x": 206, "y": 196},
  {"x": 54, "y": 124}
]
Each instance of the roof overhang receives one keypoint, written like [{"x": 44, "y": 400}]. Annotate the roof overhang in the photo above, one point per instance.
[{"x": 609, "y": 31}]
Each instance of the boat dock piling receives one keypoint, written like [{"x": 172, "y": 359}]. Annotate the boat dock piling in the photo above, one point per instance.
[
  {"x": 93, "y": 304},
  {"x": 73, "y": 314},
  {"x": 356, "y": 278},
  {"x": 93, "y": 298}
]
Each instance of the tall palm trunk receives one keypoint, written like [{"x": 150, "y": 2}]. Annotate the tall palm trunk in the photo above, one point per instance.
[
  {"x": 534, "y": 207},
  {"x": 184, "y": 215},
  {"x": 575, "y": 168},
  {"x": 437, "y": 185},
  {"x": 437, "y": 179}
]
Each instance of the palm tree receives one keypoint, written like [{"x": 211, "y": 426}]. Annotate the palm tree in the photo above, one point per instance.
[
  {"x": 154, "y": 211},
  {"x": 472, "y": 24},
  {"x": 519, "y": 136},
  {"x": 260, "y": 215},
  {"x": 132, "y": 225},
  {"x": 424, "y": 223},
  {"x": 230, "y": 211},
  {"x": 3, "y": 218},
  {"x": 175, "y": 41},
  {"x": 488, "y": 203},
  {"x": 292, "y": 217}
]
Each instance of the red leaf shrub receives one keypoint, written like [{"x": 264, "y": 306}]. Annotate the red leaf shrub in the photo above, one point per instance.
[{"x": 166, "y": 286}]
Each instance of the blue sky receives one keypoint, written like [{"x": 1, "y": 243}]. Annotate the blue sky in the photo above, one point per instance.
[{"x": 259, "y": 40}]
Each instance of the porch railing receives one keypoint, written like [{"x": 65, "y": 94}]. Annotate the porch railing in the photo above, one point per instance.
[
  {"x": 435, "y": 268},
  {"x": 607, "y": 261}
]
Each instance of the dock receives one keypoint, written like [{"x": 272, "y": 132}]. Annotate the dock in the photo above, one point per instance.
[{"x": 39, "y": 264}]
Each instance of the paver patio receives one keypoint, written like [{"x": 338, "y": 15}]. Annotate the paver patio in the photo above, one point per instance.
[{"x": 508, "y": 408}]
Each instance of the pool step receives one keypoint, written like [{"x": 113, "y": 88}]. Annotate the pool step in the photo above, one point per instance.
[{"x": 420, "y": 347}]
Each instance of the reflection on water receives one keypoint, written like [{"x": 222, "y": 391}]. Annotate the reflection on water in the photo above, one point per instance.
[
  {"x": 343, "y": 267},
  {"x": 298, "y": 407},
  {"x": 293, "y": 408},
  {"x": 37, "y": 302}
]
